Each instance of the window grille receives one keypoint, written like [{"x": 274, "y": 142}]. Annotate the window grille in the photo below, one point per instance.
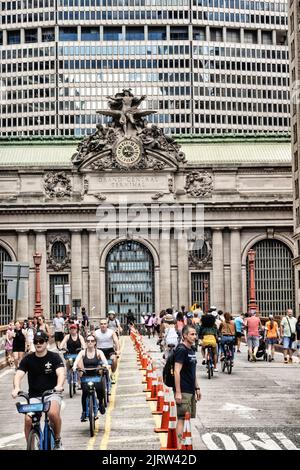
[
  {"x": 57, "y": 279},
  {"x": 198, "y": 288},
  {"x": 58, "y": 252},
  {"x": 6, "y": 306}
]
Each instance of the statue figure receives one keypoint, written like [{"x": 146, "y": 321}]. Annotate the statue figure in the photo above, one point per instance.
[{"x": 124, "y": 110}]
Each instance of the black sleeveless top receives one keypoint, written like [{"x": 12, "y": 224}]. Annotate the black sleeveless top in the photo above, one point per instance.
[
  {"x": 19, "y": 341},
  {"x": 94, "y": 362},
  {"x": 73, "y": 345}
]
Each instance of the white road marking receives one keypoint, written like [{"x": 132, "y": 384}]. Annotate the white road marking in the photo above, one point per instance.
[
  {"x": 241, "y": 410},
  {"x": 6, "y": 372},
  {"x": 13, "y": 437},
  {"x": 227, "y": 441},
  {"x": 248, "y": 443}
]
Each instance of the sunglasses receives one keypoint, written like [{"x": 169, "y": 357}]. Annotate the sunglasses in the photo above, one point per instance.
[
  {"x": 90, "y": 341},
  {"x": 39, "y": 341}
]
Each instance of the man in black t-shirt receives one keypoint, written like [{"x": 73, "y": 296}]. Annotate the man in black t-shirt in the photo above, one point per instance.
[
  {"x": 46, "y": 371},
  {"x": 186, "y": 389}
]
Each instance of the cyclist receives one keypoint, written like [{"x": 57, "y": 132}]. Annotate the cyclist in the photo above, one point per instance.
[
  {"x": 91, "y": 357},
  {"x": 170, "y": 337},
  {"x": 46, "y": 371},
  {"x": 228, "y": 332},
  {"x": 73, "y": 340},
  {"x": 208, "y": 333},
  {"x": 113, "y": 323},
  {"x": 58, "y": 326},
  {"x": 108, "y": 342}
]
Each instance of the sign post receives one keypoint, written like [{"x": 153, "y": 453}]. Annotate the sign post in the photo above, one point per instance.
[{"x": 15, "y": 273}]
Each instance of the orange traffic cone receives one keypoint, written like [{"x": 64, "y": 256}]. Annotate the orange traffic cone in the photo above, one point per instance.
[
  {"x": 187, "y": 433},
  {"x": 153, "y": 396},
  {"x": 149, "y": 377},
  {"x": 165, "y": 414},
  {"x": 160, "y": 398},
  {"x": 148, "y": 369},
  {"x": 172, "y": 443}
]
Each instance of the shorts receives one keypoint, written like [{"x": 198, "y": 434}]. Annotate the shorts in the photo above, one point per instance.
[
  {"x": 54, "y": 397},
  {"x": 58, "y": 336},
  {"x": 239, "y": 334},
  {"x": 287, "y": 342},
  {"x": 188, "y": 405},
  {"x": 271, "y": 341},
  {"x": 253, "y": 341},
  {"x": 108, "y": 352}
]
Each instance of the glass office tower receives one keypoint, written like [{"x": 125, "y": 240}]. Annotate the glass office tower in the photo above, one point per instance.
[{"x": 209, "y": 66}]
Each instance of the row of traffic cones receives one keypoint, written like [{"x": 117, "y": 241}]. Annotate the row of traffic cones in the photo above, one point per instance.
[{"x": 164, "y": 396}]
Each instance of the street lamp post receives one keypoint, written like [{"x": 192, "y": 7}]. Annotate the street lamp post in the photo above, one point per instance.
[
  {"x": 205, "y": 295},
  {"x": 37, "y": 258},
  {"x": 252, "y": 306}
]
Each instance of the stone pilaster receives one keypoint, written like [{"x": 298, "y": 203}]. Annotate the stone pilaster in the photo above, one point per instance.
[
  {"x": 236, "y": 270},
  {"x": 85, "y": 271},
  {"x": 76, "y": 265},
  {"x": 23, "y": 257},
  {"x": 174, "y": 273},
  {"x": 165, "y": 270},
  {"x": 218, "y": 293},
  {"x": 94, "y": 277},
  {"x": 183, "y": 272}
]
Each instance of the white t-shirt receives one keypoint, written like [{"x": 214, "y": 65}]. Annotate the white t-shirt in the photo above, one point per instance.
[
  {"x": 171, "y": 336},
  {"x": 58, "y": 324},
  {"x": 113, "y": 324},
  {"x": 104, "y": 340}
]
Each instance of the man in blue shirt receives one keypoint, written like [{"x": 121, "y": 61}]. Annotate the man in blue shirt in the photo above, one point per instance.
[{"x": 239, "y": 326}]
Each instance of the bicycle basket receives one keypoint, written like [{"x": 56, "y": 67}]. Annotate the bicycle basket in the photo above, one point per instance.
[
  {"x": 33, "y": 407},
  {"x": 86, "y": 379}
]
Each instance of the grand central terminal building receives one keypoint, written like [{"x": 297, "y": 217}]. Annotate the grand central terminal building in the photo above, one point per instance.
[{"x": 55, "y": 196}]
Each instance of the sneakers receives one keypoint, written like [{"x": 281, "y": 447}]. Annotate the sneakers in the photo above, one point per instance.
[
  {"x": 83, "y": 417},
  {"x": 270, "y": 359},
  {"x": 58, "y": 444},
  {"x": 203, "y": 362},
  {"x": 216, "y": 370}
]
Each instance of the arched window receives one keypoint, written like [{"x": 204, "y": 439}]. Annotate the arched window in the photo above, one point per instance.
[
  {"x": 274, "y": 277},
  {"x": 6, "y": 306},
  {"x": 130, "y": 279},
  {"x": 58, "y": 252}
]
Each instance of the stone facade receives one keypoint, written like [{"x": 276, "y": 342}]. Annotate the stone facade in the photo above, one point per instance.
[{"x": 243, "y": 203}]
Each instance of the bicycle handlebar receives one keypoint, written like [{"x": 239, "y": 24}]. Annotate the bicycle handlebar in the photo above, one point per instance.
[{"x": 44, "y": 395}]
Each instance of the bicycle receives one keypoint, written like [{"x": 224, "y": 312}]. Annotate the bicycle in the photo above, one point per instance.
[
  {"x": 209, "y": 361},
  {"x": 91, "y": 408},
  {"x": 38, "y": 439},
  {"x": 72, "y": 376},
  {"x": 227, "y": 361}
]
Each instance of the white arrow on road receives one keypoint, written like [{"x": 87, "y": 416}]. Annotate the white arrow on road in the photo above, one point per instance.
[{"x": 241, "y": 410}]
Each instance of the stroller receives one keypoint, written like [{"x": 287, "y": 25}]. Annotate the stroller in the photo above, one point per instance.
[{"x": 262, "y": 348}]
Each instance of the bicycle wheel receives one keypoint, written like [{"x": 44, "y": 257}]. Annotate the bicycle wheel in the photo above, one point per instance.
[
  {"x": 51, "y": 439},
  {"x": 224, "y": 365},
  {"x": 91, "y": 416},
  {"x": 229, "y": 366},
  {"x": 71, "y": 390},
  {"x": 34, "y": 440}
]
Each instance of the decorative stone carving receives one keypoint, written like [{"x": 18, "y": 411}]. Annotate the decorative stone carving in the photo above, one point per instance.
[
  {"x": 100, "y": 196},
  {"x": 85, "y": 187},
  {"x": 199, "y": 184},
  {"x": 157, "y": 196},
  {"x": 201, "y": 258},
  {"x": 127, "y": 142},
  {"x": 57, "y": 184},
  {"x": 52, "y": 263}
]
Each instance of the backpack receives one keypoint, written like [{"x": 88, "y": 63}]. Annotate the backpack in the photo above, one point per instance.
[{"x": 169, "y": 369}]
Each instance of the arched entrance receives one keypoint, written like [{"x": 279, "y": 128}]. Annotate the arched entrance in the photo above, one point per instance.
[
  {"x": 6, "y": 306},
  {"x": 129, "y": 269},
  {"x": 274, "y": 277}
]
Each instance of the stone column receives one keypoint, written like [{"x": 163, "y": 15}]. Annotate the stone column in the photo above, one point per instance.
[
  {"x": 76, "y": 265},
  {"x": 85, "y": 271},
  {"x": 183, "y": 272},
  {"x": 218, "y": 292},
  {"x": 23, "y": 257},
  {"x": 94, "y": 278},
  {"x": 40, "y": 247},
  {"x": 165, "y": 269},
  {"x": 236, "y": 270},
  {"x": 174, "y": 273}
]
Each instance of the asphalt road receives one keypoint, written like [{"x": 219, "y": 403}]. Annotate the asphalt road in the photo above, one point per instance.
[{"x": 257, "y": 407}]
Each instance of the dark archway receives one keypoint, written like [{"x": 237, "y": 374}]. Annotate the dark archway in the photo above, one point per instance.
[
  {"x": 274, "y": 277},
  {"x": 6, "y": 306},
  {"x": 129, "y": 269}
]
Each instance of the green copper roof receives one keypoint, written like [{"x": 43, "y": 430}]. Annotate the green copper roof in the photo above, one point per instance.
[{"x": 55, "y": 153}]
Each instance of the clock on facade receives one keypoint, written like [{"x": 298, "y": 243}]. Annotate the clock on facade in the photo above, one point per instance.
[{"x": 128, "y": 152}]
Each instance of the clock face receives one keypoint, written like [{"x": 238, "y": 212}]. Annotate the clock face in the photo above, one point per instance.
[{"x": 128, "y": 152}]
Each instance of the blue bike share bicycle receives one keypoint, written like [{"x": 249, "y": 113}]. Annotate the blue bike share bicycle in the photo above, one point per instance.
[
  {"x": 72, "y": 376},
  {"x": 39, "y": 438},
  {"x": 91, "y": 405}
]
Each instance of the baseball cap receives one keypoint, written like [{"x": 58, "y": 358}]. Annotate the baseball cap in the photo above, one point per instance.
[
  {"x": 40, "y": 335},
  {"x": 73, "y": 326},
  {"x": 111, "y": 312},
  {"x": 168, "y": 318},
  {"x": 189, "y": 314},
  {"x": 271, "y": 316}
]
